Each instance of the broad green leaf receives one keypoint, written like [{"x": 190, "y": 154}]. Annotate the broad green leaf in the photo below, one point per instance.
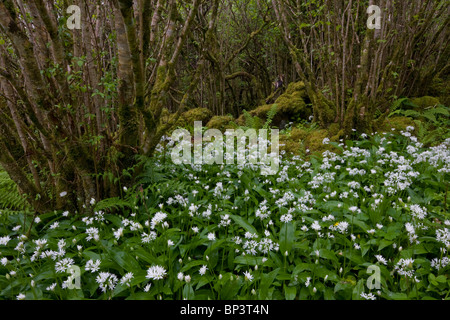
[
  {"x": 358, "y": 289},
  {"x": 192, "y": 264},
  {"x": 384, "y": 243},
  {"x": 266, "y": 281},
  {"x": 124, "y": 259},
  {"x": 290, "y": 292},
  {"x": 286, "y": 237},
  {"x": 248, "y": 260},
  {"x": 327, "y": 254},
  {"x": 243, "y": 223}
]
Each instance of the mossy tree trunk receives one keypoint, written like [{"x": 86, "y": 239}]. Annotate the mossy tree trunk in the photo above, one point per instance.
[
  {"x": 78, "y": 105},
  {"x": 351, "y": 71}
]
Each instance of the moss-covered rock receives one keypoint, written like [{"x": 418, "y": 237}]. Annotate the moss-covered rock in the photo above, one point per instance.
[
  {"x": 291, "y": 105},
  {"x": 425, "y": 102},
  {"x": 298, "y": 134},
  {"x": 397, "y": 123},
  {"x": 221, "y": 123},
  {"x": 197, "y": 114},
  {"x": 292, "y": 147},
  {"x": 187, "y": 118},
  {"x": 333, "y": 129},
  {"x": 293, "y": 101},
  {"x": 314, "y": 141}
]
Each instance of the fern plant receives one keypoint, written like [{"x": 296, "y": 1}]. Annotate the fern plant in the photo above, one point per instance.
[
  {"x": 10, "y": 198},
  {"x": 255, "y": 122},
  {"x": 433, "y": 123},
  {"x": 270, "y": 115},
  {"x": 251, "y": 122}
]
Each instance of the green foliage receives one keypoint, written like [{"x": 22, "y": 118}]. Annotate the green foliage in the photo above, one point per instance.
[
  {"x": 251, "y": 122},
  {"x": 112, "y": 204},
  {"x": 254, "y": 122},
  {"x": 270, "y": 115},
  {"x": 10, "y": 198},
  {"x": 227, "y": 232},
  {"x": 431, "y": 118}
]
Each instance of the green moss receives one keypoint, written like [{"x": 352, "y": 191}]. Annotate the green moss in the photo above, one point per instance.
[
  {"x": 296, "y": 87},
  {"x": 187, "y": 118},
  {"x": 291, "y": 105},
  {"x": 314, "y": 141},
  {"x": 292, "y": 102},
  {"x": 333, "y": 129},
  {"x": 197, "y": 114},
  {"x": 298, "y": 134},
  {"x": 425, "y": 102},
  {"x": 397, "y": 123},
  {"x": 220, "y": 122},
  {"x": 292, "y": 147}
]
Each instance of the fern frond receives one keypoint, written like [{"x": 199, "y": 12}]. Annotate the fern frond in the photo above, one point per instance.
[
  {"x": 270, "y": 115},
  {"x": 112, "y": 204},
  {"x": 10, "y": 198}
]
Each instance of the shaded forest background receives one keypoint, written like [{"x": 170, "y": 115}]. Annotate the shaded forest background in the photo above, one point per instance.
[{"x": 78, "y": 107}]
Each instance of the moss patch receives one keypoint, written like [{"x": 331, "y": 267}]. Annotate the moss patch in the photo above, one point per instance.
[
  {"x": 425, "y": 102},
  {"x": 397, "y": 123},
  {"x": 187, "y": 118},
  {"x": 220, "y": 122},
  {"x": 198, "y": 114},
  {"x": 292, "y": 105},
  {"x": 314, "y": 141}
]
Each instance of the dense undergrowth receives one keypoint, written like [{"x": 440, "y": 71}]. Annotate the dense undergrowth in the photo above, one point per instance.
[{"x": 316, "y": 230}]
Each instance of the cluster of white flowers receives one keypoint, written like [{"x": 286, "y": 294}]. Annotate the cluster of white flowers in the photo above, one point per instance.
[
  {"x": 50, "y": 253},
  {"x": 265, "y": 245},
  {"x": 316, "y": 226},
  {"x": 179, "y": 199},
  {"x": 321, "y": 179},
  {"x": 118, "y": 233},
  {"x": 443, "y": 235},
  {"x": 356, "y": 171},
  {"x": 341, "y": 227},
  {"x": 411, "y": 233},
  {"x": 63, "y": 265},
  {"x": 354, "y": 185},
  {"x": 381, "y": 259},
  {"x": 92, "y": 266},
  {"x": 156, "y": 273},
  {"x": 306, "y": 202},
  {"x": 263, "y": 211},
  {"x": 93, "y": 234},
  {"x": 286, "y": 218},
  {"x": 157, "y": 219},
  {"x": 148, "y": 237},
  {"x": 4, "y": 240},
  {"x": 133, "y": 225},
  {"x": 106, "y": 281},
  {"x": 377, "y": 200},
  {"x": 208, "y": 212},
  {"x": 251, "y": 246},
  {"x": 284, "y": 201},
  {"x": 248, "y": 276},
  {"x": 418, "y": 211},
  {"x": 368, "y": 296},
  {"x": 126, "y": 279},
  {"x": 202, "y": 270},
  {"x": 40, "y": 244},
  {"x": 440, "y": 263},
  {"x": 405, "y": 268},
  {"x": 225, "y": 221}
]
